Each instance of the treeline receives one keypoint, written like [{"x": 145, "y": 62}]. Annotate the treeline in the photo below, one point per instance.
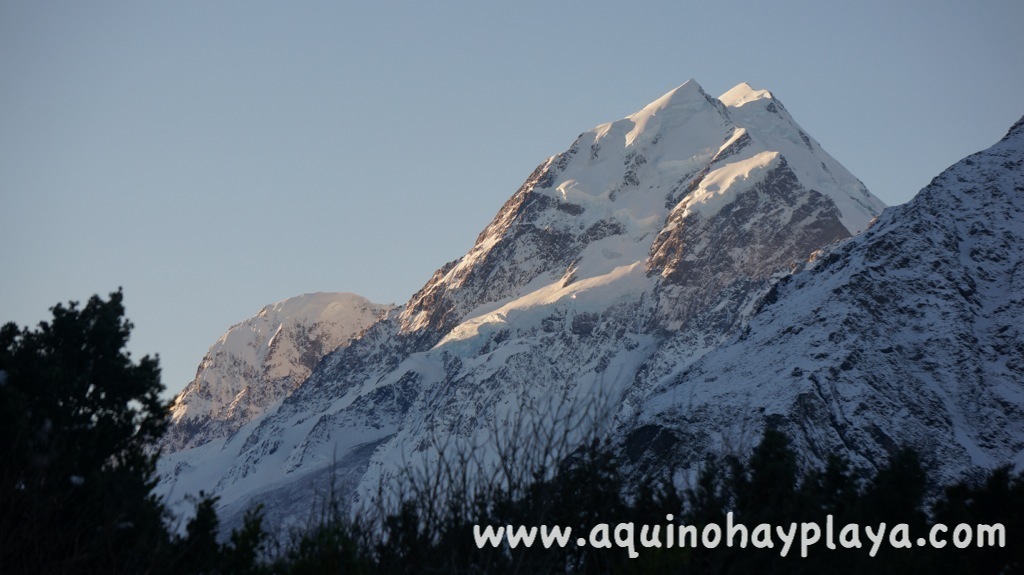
[
  {"x": 78, "y": 418},
  {"x": 765, "y": 488}
]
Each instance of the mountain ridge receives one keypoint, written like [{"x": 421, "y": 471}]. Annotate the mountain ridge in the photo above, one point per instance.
[
  {"x": 919, "y": 343},
  {"x": 614, "y": 269},
  {"x": 259, "y": 361}
]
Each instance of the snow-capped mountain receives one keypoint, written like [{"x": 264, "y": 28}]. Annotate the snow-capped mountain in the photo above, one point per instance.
[
  {"x": 258, "y": 362},
  {"x": 630, "y": 197},
  {"x": 616, "y": 265},
  {"x": 909, "y": 334}
]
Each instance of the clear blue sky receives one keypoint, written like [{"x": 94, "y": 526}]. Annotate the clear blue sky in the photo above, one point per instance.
[{"x": 213, "y": 157}]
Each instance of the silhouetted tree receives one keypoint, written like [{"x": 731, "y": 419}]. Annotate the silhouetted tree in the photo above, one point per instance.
[
  {"x": 78, "y": 421},
  {"x": 999, "y": 499}
]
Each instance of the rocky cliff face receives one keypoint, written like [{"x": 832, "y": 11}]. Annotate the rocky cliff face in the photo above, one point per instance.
[
  {"x": 260, "y": 361},
  {"x": 616, "y": 265},
  {"x": 909, "y": 334}
]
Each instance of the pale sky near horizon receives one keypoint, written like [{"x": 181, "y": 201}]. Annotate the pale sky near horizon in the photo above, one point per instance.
[{"x": 214, "y": 157}]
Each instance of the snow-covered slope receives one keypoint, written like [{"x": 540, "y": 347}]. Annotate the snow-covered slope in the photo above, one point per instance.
[
  {"x": 638, "y": 192},
  {"x": 258, "y": 362},
  {"x": 910, "y": 334},
  {"x": 617, "y": 264}
]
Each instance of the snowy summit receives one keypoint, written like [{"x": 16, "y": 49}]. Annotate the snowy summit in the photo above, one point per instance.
[{"x": 597, "y": 289}]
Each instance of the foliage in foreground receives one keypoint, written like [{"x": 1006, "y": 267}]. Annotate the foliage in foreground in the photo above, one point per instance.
[
  {"x": 77, "y": 416},
  {"x": 764, "y": 488},
  {"x": 79, "y": 419},
  {"x": 78, "y": 422}
]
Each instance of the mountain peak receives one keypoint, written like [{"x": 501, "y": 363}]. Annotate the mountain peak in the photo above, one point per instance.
[
  {"x": 1015, "y": 131},
  {"x": 744, "y": 93},
  {"x": 688, "y": 90},
  {"x": 688, "y": 95},
  {"x": 315, "y": 306},
  {"x": 677, "y": 106},
  {"x": 261, "y": 360},
  {"x": 635, "y": 251}
]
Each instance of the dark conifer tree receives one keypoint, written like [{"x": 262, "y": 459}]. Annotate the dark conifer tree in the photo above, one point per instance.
[{"x": 79, "y": 418}]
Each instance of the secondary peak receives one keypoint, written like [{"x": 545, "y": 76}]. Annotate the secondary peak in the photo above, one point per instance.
[{"x": 744, "y": 93}]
